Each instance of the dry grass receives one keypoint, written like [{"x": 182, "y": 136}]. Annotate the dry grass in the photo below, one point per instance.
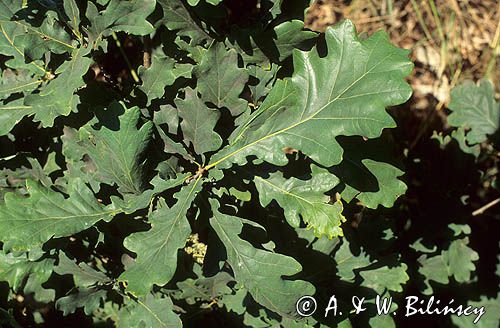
[{"x": 451, "y": 40}]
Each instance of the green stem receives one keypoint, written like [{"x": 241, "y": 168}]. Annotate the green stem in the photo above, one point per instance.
[
  {"x": 421, "y": 20},
  {"x": 129, "y": 65},
  {"x": 438, "y": 20}
]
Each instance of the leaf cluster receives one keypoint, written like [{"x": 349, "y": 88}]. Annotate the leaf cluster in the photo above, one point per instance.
[{"x": 180, "y": 183}]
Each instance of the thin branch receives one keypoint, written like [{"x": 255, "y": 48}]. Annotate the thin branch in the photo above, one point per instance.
[
  {"x": 485, "y": 207},
  {"x": 133, "y": 73}
]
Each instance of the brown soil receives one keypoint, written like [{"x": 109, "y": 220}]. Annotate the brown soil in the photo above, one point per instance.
[{"x": 450, "y": 40}]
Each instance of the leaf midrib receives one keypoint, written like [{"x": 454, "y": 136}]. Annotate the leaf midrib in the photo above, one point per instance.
[
  {"x": 185, "y": 203},
  {"x": 16, "y": 48},
  {"x": 301, "y": 121},
  {"x": 275, "y": 308},
  {"x": 20, "y": 86},
  {"x": 39, "y": 33}
]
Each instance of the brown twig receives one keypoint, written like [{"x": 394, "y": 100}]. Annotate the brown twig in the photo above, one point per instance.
[
  {"x": 481, "y": 210},
  {"x": 146, "y": 57},
  {"x": 199, "y": 173}
]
